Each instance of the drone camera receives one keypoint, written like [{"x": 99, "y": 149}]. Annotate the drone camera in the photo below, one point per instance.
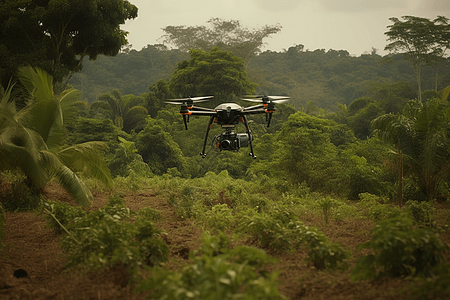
[{"x": 232, "y": 141}]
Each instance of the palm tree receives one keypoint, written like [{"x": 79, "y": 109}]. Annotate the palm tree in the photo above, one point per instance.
[
  {"x": 421, "y": 136},
  {"x": 32, "y": 138},
  {"x": 126, "y": 111}
]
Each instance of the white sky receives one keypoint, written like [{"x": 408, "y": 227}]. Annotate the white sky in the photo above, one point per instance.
[{"x": 352, "y": 25}]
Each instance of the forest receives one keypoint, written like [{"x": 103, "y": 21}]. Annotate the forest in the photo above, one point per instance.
[{"x": 104, "y": 193}]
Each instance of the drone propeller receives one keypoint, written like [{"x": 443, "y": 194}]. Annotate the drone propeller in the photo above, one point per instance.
[
  {"x": 268, "y": 99},
  {"x": 187, "y": 104},
  {"x": 190, "y": 100},
  {"x": 269, "y": 103}
]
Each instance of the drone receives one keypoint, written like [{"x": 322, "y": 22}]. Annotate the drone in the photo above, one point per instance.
[{"x": 228, "y": 115}]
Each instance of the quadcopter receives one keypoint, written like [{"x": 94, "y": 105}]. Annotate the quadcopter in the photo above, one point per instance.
[{"x": 228, "y": 115}]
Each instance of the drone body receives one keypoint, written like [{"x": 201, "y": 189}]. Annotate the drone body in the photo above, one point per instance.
[{"x": 228, "y": 115}]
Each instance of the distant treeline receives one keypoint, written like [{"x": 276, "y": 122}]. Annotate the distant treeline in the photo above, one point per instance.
[{"x": 319, "y": 78}]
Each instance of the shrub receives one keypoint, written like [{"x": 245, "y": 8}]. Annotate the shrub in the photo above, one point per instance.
[
  {"x": 218, "y": 218},
  {"x": 375, "y": 210},
  {"x": 323, "y": 254},
  {"x": 216, "y": 272},
  {"x": 399, "y": 249},
  {"x": 281, "y": 231},
  {"x": 21, "y": 196},
  {"x": 59, "y": 214},
  {"x": 423, "y": 213},
  {"x": 436, "y": 287},
  {"x": 107, "y": 237}
]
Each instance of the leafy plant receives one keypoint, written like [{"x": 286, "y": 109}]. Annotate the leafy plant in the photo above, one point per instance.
[
  {"x": 423, "y": 213},
  {"x": 108, "y": 237},
  {"x": 436, "y": 287},
  {"x": 375, "y": 210},
  {"x": 219, "y": 218},
  {"x": 399, "y": 249},
  {"x": 150, "y": 213},
  {"x": 322, "y": 253},
  {"x": 327, "y": 205},
  {"x": 59, "y": 214},
  {"x": 215, "y": 272}
]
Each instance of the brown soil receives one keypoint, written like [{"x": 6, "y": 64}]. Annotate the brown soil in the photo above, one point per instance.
[{"x": 30, "y": 246}]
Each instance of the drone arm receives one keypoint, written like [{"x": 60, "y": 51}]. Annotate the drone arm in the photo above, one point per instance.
[
  {"x": 250, "y": 137},
  {"x": 199, "y": 108},
  {"x": 211, "y": 119}
]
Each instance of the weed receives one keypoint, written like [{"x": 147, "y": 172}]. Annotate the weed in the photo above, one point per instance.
[{"x": 399, "y": 249}]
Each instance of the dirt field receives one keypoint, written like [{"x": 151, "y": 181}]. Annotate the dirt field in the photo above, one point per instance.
[{"x": 35, "y": 249}]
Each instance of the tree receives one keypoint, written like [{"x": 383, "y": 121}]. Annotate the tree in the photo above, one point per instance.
[
  {"x": 419, "y": 39},
  {"x": 32, "y": 139},
  {"x": 158, "y": 149},
  {"x": 216, "y": 73},
  {"x": 420, "y": 135},
  {"x": 227, "y": 35},
  {"x": 56, "y": 35},
  {"x": 126, "y": 111}
]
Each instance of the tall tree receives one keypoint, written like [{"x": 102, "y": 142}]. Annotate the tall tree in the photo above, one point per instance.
[
  {"x": 418, "y": 39},
  {"x": 217, "y": 73},
  {"x": 227, "y": 35},
  {"x": 32, "y": 139},
  {"x": 56, "y": 35}
]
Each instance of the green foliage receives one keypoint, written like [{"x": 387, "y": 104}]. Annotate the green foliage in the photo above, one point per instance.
[
  {"x": 32, "y": 139},
  {"x": 280, "y": 230},
  {"x": 218, "y": 219},
  {"x": 63, "y": 212},
  {"x": 375, "y": 210},
  {"x": 108, "y": 237},
  {"x": 216, "y": 73},
  {"x": 53, "y": 38},
  {"x": 436, "y": 287},
  {"x": 323, "y": 254},
  {"x": 423, "y": 213},
  {"x": 158, "y": 149},
  {"x": 216, "y": 273},
  {"x": 399, "y": 249},
  {"x": 21, "y": 197},
  {"x": 327, "y": 204},
  {"x": 150, "y": 214}
]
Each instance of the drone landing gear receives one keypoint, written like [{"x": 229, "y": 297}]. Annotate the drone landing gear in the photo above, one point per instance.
[
  {"x": 211, "y": 119},
  {"x": 250, "y": 137}
]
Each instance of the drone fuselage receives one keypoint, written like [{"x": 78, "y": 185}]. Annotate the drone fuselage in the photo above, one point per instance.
[{"x": 228, "y": 114}]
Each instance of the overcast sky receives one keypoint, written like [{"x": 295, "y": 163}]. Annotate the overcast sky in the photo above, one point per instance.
[{"x": 352, "y": 25}]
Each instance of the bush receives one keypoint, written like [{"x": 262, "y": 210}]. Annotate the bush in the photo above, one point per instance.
[
  {"x": 423, "y": 213},
  {"x": 58, "y": 214},
  {"x": 21, "y": 197},
  {"x": 399, "y": 249},
  {"x": 215, "y": 272},
  {"x": 281, "y": 231},
  {"x": 218, "y": 218},
  {"x": 376, "y": 211},
  {"x": 323, "y": 254},
  {"x": 107, "y": 237}
]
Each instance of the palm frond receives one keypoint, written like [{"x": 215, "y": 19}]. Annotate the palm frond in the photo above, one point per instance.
[
  {"x": 86, "y": 157},
  {"x": 74, "y": 186}
]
